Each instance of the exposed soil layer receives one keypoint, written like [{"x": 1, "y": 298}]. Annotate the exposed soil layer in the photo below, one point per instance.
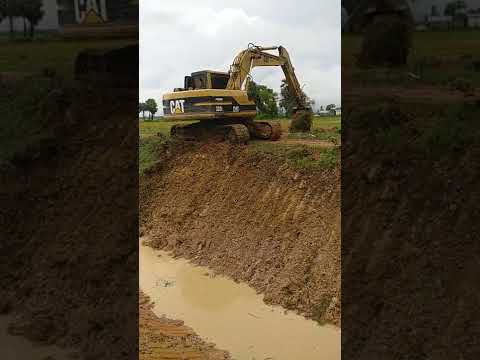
[
  {"x": 251, "y": 217},
  {"x": 162, "y": 338},
  {"x": 410, "y": 233},
  {"x": 69, "y": 235}
]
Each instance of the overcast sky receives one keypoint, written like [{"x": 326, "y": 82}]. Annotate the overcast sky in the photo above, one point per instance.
[{"x": 181, "y": 36}]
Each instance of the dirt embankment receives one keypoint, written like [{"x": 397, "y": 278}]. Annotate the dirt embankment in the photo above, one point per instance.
[
  {"x": 69, "y": 235},
  {"x": 410, "y": 204},
  {"x": 252, "y": 217},
  {"x": 162, "y": 338}
]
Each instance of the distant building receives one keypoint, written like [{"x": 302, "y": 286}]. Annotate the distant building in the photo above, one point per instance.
[
  {"x": 439, "y": 22},
  {"x": 336, "y": 111},
  {"x": 324, "y": 113},
  {"x": 363, "y": 12},
  {"x": 473, "y": 20}
]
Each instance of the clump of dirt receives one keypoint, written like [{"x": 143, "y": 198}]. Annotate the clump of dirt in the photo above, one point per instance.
[
  {"x": 251, "y": 216},
  {"x": 301, "y": 122},
  {"x": 162, "y": 338},
  {"x": 387, "y": 42},
  {"x": 69, "y": 238}
]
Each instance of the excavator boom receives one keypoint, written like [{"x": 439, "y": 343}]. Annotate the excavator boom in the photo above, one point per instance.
[{"x": 255, "y": 56}]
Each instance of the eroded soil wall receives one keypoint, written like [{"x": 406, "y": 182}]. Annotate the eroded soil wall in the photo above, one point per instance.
[{"x": 252, "y": 217}]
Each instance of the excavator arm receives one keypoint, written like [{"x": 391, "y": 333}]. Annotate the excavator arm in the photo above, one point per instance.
[{"x": 255, "y": 56}]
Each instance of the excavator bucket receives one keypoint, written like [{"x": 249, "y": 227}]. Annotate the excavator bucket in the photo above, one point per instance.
[{"x": 301, "y": 121}]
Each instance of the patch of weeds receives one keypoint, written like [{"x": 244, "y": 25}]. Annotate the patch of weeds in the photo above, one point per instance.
[
  {"x": 463, "y": 85},
  {"x": 333, "y": 135},
  {"x": 302, "y": 136},
  {"x": 319, "y": 310},
  {"x": 300, "y": 156},
  {"x": 451, "y": 134},
  {"x": 308, "y": 158},
  {"x": 22, "y": 127},
  {"x": 390, "y": 137},
  {"x": 329, "y": 158},
  {"x": 149, "y": 150},
  {"x": 378, "y": 117}
]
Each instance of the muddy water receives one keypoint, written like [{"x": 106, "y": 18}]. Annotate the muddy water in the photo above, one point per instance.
[
  {"x": 231, "y": 315},
  {"x": 19, "y": 348}
]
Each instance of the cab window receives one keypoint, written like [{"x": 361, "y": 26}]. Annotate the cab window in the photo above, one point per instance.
[
  {"x": 219, "y": 81},
  {"x": 199, "y": 81}
]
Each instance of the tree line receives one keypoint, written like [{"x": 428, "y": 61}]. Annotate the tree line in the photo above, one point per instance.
[
  {"x": 150, "y": 106},
  {"x": 31, "y": 11}
]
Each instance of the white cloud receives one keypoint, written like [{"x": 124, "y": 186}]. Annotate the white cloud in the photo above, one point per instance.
[{"x": 182, "y": 36}]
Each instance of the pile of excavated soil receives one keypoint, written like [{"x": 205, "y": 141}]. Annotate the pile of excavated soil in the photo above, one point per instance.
[
  {"x": 69, "y": 238},
  {"x": 410, "y": 206},
  {"x": 162, "y": 338},
  {"x": 250, "y": 216}
]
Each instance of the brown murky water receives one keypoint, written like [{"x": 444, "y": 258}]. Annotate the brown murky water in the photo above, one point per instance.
[
  {"x": 19, "y": 348},
  {"x": 231, "y": 315}
]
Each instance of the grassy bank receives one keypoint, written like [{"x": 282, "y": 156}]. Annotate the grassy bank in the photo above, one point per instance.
[
  {"x": 154, "y": 135},
  {"x": 437, "y": 57},
  {"x": 59, "y": 55},
  {"x": 320, "y": 123}
]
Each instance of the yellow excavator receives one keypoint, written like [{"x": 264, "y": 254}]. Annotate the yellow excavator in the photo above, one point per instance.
[{"x": 220, "y": 103}]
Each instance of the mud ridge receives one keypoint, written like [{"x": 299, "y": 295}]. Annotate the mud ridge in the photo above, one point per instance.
[
  {"x": 250, "y": 216},
  {"x": 162, "y": 338}
]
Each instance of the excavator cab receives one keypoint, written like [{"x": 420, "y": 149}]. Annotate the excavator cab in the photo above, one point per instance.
[{"x": 205, "y": 80}]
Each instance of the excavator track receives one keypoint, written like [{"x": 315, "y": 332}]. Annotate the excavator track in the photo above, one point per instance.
[
  {"x": 266, "y": 130},
  {"x": 233, "y": 133},
  {"x": 237, "y": 134}
]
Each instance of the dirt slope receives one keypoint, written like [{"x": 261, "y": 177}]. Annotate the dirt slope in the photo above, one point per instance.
[
  {"x": 250, "y": 216},
  {"x": 414, "y": 195},
  {"x": 162, "y": 338},
  {"x": 68, "y": 241}
]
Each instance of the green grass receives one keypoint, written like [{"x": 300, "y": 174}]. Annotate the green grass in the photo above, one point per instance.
[
  {"x": 152, "y": 128},
  {"x": 21, "y": 128},
  {"x": 36, "y": 56},
  {"x": 300, "y": 156},
  {"x": 456, "y": 49},
  {"x": 320, "y": 123},
  {"x": 149, "y": 150}
]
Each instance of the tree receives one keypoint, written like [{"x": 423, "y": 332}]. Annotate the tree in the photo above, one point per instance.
[
  {"x": 265, "y": 99},
  {"x": 152, "y": 107},
  {"x": 8, "y": 9},
  {"x": 32, "y": 10},
  {"x": 141, "y": 109},
  {"x": 288, "y": 102},
  {"x": 453, "y": 6},
  {"x": 330, "y": 107},
  {"x": 3, "y": 9}
]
